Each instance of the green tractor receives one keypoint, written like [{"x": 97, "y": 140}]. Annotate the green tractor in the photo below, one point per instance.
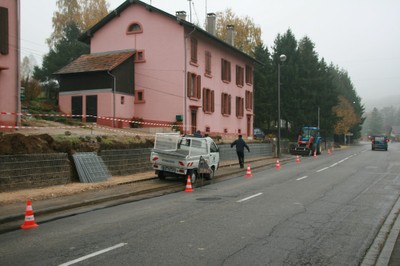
[{"x": 308, "y": 142}]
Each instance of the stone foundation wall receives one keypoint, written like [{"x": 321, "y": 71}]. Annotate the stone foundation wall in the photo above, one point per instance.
[
  {"x": 40, "y": 170},
  {"x": 34, "y": 170}
]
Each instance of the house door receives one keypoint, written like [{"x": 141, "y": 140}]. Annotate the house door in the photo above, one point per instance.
[
  {"x": 91, "y": 108},
  {"x": 194, "y": 120},
  {"x": 249, "y": 126},
  {"x": 76, "y": 107}
]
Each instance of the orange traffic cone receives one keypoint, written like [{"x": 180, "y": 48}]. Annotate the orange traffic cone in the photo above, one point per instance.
[
  {"x": 278, "y": 164},
  {"x": 248, "y": 172},
  {"x": 188, "y": 185},
  {"x": 315, "y": 154},
  {"x": 297, "y": 159},
  {"x": 29, "y": 218}
]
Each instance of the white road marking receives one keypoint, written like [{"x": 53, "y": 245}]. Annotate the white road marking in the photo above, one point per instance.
[
  {"x": 301, "y": 178},
  {"x": 333, "y": 165},
  {"x": 253, "y": 196},
  {"x": 94, "y": 254},
  {"x": 323, "y": 169}
]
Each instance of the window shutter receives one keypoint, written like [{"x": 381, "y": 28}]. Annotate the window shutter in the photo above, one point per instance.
[
  {"x": 198, "y": 96},
  {"x": 222, "y": 103},
  {"x": 237, "y": 75},
  {"x": 212, "y": 101},
  {"x": 222, "y": 69},
  {"x": 3, "y": 30},
  {"x": 229, "y": 104},
  {"x": 242, "y": 107},
  {"x": 188, "y": 84},
  {"x": 237, "y": 106},
  {"x": 204, "y": 99},
  {"x": 229, "y": 71}
]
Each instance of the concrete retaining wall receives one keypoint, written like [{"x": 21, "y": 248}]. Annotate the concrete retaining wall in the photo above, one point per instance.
[
  {"x": 256, "y": 150},
  {"x": 126, "y": 162},
  {"x": 39, "y": 170},
  {"x": 34, "y": 170}
]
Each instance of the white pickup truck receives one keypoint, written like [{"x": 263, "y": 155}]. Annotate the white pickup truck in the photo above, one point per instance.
[{"x": 175, "y": 155}]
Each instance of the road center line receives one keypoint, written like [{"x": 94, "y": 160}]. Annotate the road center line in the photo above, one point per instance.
[
  {"x": 253, "y": 196},
  {"x": 301, "y": 178},
  {"x": 323, "y": 169},
  {"x": 93, "y": 254}
]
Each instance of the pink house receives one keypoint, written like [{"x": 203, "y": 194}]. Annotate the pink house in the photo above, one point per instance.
[
  {"x": 148, "y": 64},
  {"x": 9, "y": 62}
]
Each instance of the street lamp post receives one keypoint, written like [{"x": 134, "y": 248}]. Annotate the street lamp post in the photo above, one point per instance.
[{"x": 282, "y": 58}]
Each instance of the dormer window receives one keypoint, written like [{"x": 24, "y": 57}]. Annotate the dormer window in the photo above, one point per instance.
[{"x": 134, "y": 28}]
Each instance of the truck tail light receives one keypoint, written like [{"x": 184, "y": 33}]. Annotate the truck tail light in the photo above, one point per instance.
[
  {"x": 181, "y": 163},
  {"x": 155, "y": 159}
]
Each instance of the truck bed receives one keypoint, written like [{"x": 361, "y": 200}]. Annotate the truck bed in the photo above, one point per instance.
[{"x": 174, "y": 153}]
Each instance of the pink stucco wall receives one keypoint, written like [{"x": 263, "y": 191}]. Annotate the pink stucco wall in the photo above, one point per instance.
[
  {"x": 105, "y": 103},
  {"x": 9, "y": 66},
  {"x": 216, "y": 121},
  {"x": 162, "y": 75}
]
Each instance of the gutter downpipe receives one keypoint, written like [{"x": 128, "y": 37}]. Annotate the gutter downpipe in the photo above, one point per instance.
[
  {"x": 185, "y": 77},
  {"x": 18, "y": 100},
  {"x": 113, "y": 91}
]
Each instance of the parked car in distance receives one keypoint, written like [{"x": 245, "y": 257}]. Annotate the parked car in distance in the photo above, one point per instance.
[
  {"x": 379, "y": 142},
  {"x": 258, "y": 133}
]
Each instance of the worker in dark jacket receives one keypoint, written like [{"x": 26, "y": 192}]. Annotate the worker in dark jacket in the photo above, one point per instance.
[
  {"x": 240, "y": 145},
  {"x": 197, "y": 134}
]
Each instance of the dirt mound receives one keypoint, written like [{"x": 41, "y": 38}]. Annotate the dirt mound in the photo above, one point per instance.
[
  {"x": 21, "y": 144},
  {"x": 16, "y": 143}
]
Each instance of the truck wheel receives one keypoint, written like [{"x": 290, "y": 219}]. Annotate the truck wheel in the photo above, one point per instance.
[
  {"x": 211, "y": 175},
  {"x": 193, "y": 177},
  {"x": 161, "y": 175}
]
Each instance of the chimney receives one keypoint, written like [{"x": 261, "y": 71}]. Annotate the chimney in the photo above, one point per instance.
[
  {"x": 211, "y": 26},
  {"x": 181, "y": 15},
  {"x": 231, "y": 34}
]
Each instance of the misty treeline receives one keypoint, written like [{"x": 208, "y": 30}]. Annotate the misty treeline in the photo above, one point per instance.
[
  {"x": 312, "y": 90},
  {"x": 381, "y": 121}
]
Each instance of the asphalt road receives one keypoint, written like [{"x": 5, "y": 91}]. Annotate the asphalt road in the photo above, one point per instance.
[{"x": 323, "y": 211}]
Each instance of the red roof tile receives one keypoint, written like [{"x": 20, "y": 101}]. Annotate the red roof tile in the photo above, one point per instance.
[{"x": 96, "y": 62}]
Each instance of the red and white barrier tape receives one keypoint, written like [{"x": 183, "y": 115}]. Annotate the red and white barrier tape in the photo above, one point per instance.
[
  {"x": 89, "y": 116},
  {"x": 36, "y": 127}
]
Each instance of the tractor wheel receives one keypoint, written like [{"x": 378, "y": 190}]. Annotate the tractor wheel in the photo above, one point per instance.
[{"x": 319, "y": 149}]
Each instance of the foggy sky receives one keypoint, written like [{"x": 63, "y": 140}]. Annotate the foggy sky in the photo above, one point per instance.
[{"x": 360, "y": 36}]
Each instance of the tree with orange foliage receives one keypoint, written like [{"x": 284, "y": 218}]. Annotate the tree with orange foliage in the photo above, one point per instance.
[
  {"x": 84, "y": 13},
  {"x": 347, "y": 117},
  {"x": 248, "y": 35}
]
